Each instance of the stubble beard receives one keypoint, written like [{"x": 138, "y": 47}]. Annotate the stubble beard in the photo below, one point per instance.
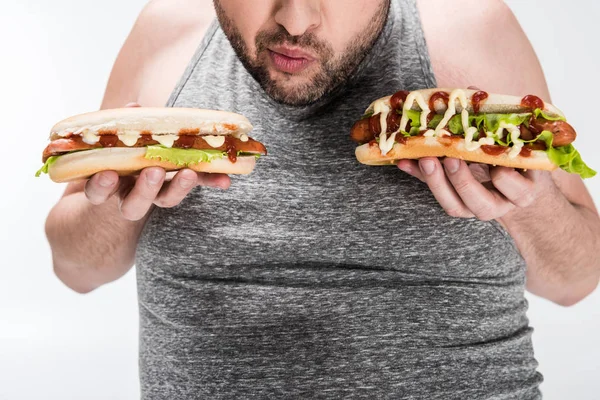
[{"x": 332, "y": 71}]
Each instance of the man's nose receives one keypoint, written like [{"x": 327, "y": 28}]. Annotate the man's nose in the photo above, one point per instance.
[{"x": 298, "y": 16}]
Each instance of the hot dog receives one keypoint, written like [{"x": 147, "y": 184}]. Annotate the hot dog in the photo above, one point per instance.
[
  {"x": 128, "y": 140},
  {"x": 475, "y": 126}
]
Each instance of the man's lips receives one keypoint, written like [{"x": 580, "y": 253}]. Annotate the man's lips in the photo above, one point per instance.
[{"x": 290, "y": 60}]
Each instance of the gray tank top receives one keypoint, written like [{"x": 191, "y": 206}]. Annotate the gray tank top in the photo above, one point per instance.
[{"x": 317, "y": 277}]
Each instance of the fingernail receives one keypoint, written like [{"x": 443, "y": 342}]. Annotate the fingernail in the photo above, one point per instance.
[
  {"x": 452, "y": 165},
  {"x": 427, "y": 166},
  {"x": 186, "y": 183},
  {"x": 154, "y": 176},
  {"x": 106, "y": 181}
]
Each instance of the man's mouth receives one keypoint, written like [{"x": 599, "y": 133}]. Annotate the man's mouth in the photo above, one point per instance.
[{"x": 290, "y": 60}]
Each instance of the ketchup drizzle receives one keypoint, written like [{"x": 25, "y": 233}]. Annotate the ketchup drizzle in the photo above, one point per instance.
[
  {"x": 493, "y": 150},
  {"x": 532, "y": 102},
  {"x": 477, "y": 99},
  {"x": 437, "y": 96},
  {"x": 398, "y": 99},
  {"x": 230, "y": 149},
  {"x": 109, "y": 140}
]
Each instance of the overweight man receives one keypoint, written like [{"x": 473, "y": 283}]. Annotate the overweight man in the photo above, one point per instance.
[{"x": 315, "y": 276}]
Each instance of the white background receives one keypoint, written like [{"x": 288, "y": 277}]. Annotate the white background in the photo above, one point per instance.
[{"x": 56, "y": 58}]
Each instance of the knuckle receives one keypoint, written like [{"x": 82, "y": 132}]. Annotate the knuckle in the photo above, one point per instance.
[
  {"x": 462, "y": 186},
  {"x": 485, "y": 213},
  {"x": 133, "y": 215},
  {"x": 93, "y": 197},
  {"x": 498, "y": 178},
  {"x": 167, "y": 202},
  {"x": 436, "y": 185},
  {"x": 147, "y": 193},
  {"x": 128, "y": 214},
  {"x": 525, "y": 198},
  {"x": 456, "y": 212},
  {"x": 128, "y": 211}
]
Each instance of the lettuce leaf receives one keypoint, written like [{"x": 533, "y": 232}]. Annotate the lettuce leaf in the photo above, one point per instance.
[
  {"x": 44, "y": 170},
  {"x": 183, "y": 157},
  {"x": 539, "y": 112},
  {"x": 566, "y": 157},
  {"x": 415, "y": 122},
  {"x": 492, "y": 121},
  {"x": 414, "y": 117},
  {"x": 455, "y": 125},
  {"x": 435, "y": 121}
]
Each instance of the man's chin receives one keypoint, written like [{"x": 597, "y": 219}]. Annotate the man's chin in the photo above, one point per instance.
[
  {"x": 293, "y": 95},
  {"x": 292, "y": 90}
]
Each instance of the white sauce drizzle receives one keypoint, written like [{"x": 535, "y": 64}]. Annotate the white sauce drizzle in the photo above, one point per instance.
[
  {"x": 214, "y": 141},
  {"x": 386, "y": 144},
  {"x": 381, "y": 108},
  {"x": 129, "y": 139},
  {"x": 165, "y": 140},
  {"x": 408, "y": 104},
  {"x": 89, "y": 137}
]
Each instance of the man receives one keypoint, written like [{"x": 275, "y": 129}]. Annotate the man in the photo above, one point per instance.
[{"x": 316, "y": 277}]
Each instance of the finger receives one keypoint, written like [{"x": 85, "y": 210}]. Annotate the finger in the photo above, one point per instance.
[
  {"x": 411, "y": 167},
  {"x": 442, "y": 190},
  {"x": 135, "y": 205},
  {"x": 481, "y": 172},
  {"x": 515, "y": 187},
  {"x": 473, "y": 88},
  {"x": 485, "y": 204},
  {"x": 221, "y": 181},
  {"x": 101, "y": 187},
  {"x": 172, "y": 193}
]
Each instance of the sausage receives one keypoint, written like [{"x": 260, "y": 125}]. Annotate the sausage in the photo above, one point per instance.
[
  {"x": 61, "y": 146},
  {"x": 526, "y": 133},
  {"x": 375, "y": 124},
  {"x": 366, "y": 130},
  {"x": 393, "y": 123},
  {"x": 361, "y": 131},
  {"x": 563, "y": 132}
]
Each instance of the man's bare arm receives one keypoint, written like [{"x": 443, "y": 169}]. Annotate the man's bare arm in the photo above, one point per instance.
[
  {"x": 94, "y": 229},
  {"x": 558, "y": 231}
]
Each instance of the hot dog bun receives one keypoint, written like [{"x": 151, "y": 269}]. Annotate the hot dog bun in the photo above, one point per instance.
[
  {"x": 419, "y": 147},
  {"x": 156, "y": 120},
  {"x": 129, "y": 161}
]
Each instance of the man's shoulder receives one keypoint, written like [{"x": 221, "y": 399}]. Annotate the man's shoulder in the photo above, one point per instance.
[
  {"x": 162, "y": 21},
  {"x": 452, "y": 10},
  {"x": 161, "y": 43},
  {"x": 480, "y": 43}
]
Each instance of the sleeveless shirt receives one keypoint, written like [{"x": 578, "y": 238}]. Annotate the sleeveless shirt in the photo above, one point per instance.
[{"x": 317, "y": 277}]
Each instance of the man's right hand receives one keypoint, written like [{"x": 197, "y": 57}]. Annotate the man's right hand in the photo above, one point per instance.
[{"x": 138, "y": 195}]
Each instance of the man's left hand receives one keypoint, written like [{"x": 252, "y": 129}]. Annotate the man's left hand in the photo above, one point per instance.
[{"x": 477, "y": 190}]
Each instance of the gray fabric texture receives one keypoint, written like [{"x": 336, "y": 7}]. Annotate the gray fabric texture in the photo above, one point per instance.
[{"x": 316, "y": 277}]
